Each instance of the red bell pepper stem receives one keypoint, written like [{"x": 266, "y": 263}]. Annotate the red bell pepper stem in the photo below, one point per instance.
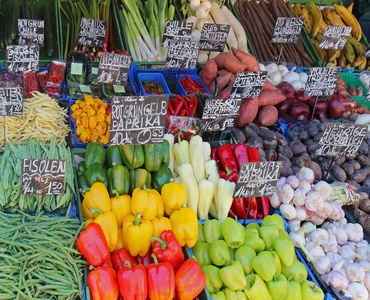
[
  {"x": 227, "y": 158},
  {"x": 120, "y": 259},
  {"x": 241, "y": 154},
  {"x": 178, "y": 108}
]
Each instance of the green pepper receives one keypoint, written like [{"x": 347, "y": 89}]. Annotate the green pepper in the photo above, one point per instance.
[
  {"x": 233, "y": 276},
  {"x": 277, "y": 261},
  {"x": 253, "y": 240},
  {"x": 229, "y": 294},
  {"x": 273, "y": 220},
  {"x": 95, "y": 173},
  {"x": 161, "y": 177},
  {"x": 82, "y": 182},
  {"x": 264, "y": 265},
  {"x": 95, "y": 153},
  {"x": 278, "y": 287},
  {"x": 233, "y": 233},
  {"x": 232, "y": 253},
  {"x": 219, "y": 253},
  {"x": 212, "y": 230},
  {"x": 283, "y": 234},
  {"x": 140, "y": 177},
  {"x": 297, "y": 269},
  {"x": 81, "y": 169},
  {"x": 256, "y": 288},
  {"x": 166, "y": 153},
  {"x": 285, "y": 249},
  {"x": 269, "y": 234},
  {"x": 201, "y": 237},
  {"x": 245, "y": 254},
  {"x": 114, "y": 156},
  {"x": 240, "y": 295},
  {"x": 294, "y": 290},
  {"x": 119, "y": 180},
  {"x": 219, "y": 296},
  {"x": 201, "y": 253},
  {"x": 213, "y": 280},
  {"x": 152, "y": 157},
  {"x": 127, "y": 154},
  {"x": 253, "y": 225},
  {"x": 310, "y": 291}
]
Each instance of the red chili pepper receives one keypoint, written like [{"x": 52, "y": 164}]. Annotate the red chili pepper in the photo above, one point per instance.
[
  {"x": 263, "y": 207},
  {"x": 239, "y": 206},
  {"x": 170, "y": 108},
  {"x": 227, "y": 158},
  {"x": 186, "y": 108},
  {"x": 174, "y": 101},
  {"x": 168, "y": 120},
  {"x": 215, "y": 157},
  {"x": 183, "y": 113},
  {"x": 241, "y": 154},
  {"x": 174, "y": 130},
  {"x": 178, "y": 108},
  {"x": 222, "y": 174},
  {"x": 179, "y": 98},
  {"x": 233, "y": 176},
  {"x": 253, "y": 208}
]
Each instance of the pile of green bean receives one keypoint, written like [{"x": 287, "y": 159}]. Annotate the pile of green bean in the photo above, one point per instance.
[{"x": 38, "y": 257}]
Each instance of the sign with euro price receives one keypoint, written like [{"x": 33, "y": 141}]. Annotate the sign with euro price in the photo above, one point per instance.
[
  {"x": 182, "y": 54},
  {"x": 31, "y": 32},
  {"x": 11, "y": 101},
  {"x": 335, "y": 37},
  {"x": 321, "y": 81},
  {"x": 22, "y": 58},
  {"x": 257, "y": 179},
  {"x": 214, "y": 37},
  {"x": 178, "y": 30},
  {"x": 248, "y": 84},
  {"x": 113, "y": 69},
  {"x": 287, "y": 30},
  {"x": 92, "y": 32}
]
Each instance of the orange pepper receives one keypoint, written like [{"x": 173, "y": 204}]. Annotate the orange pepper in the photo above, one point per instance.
[
  {"x": 85, "y": 136},
  {"x": 94, "y": 135},
  {"x": 99, "y": 129},
  {"x": 108, "y": 120},
  {"x": 89, "y": 100},
  {"x": 79, "y": 129},
  {"x": 101, "y": 110},
  {"x": 100, "y": 117},
  {"x": 74, "y": 107},
  {"x": 99, "y": 101},
  {"x": 103, "y": 126},
  {"x": 85, "y": 121},
  {"x": 104, "y": 105},
  {"x": 78, "y": 102},
  {"x": 78, "y": 121},
  {"x": 107, "y": 132},
  {"x": 92, "y": 122},
  {"x": 103, "y": 140},
  {"x": 76, "y": 114},
  {"x": 82, "y": 104}
]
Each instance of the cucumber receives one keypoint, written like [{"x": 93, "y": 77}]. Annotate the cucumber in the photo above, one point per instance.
[
  {"x": 2, "y": 24},
  {"x": 48, "y": 32},
  {"x": 25, "y": 11},
  {"x": 14, "y": 26},
  {"x": 7, "y": 38}
]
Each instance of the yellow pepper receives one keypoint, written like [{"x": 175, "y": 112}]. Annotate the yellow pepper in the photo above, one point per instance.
[
  {"x": 100, "y": 117},
  {"x": 88, "y": 221},
  {"x": 137, "y": 235},
  {"x": 79, "y": 129},
  {"x": 103, "y": 140},
  {"x": 120, "y": 244},
  {"x": 174, "y": 197},
  {"x": 86, "y": 212},
  {"x": 184, "y": 224},
  {"x": 103, "y": 126},
  {"x": 94, "y": 135},
  {"x": 145, "y": 202},
  {"x": 89, "y": 100},
  {"x": 74, "y": 107},
  {"x": 92, "y": 122},
  {"x": 160, "y": 225},
  {"x": 85, "y": 121},
  {"x": 96, "y": 197},
  {"x": 85, "y": 136},
  {"x": 108, "y": 224},
  {"x": 121, "y": 208},
  {"x": 77, "y": 113}
]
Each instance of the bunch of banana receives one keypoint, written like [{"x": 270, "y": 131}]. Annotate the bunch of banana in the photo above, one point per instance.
[{"x": 316, "y": 21}]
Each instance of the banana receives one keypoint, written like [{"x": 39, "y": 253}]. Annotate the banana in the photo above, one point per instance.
[
  {"x": 299, "y": 12},
  {"x": 337, "y": 19},
  {"x": 332, "y": 63},
  {"x": 342, "y": 61},
  {"x": 349, "y": 52},
  {"x": 350, "y": 20},
  {"x": 319, "y": 37},
  {"x": 322, "y": 27},
  {"x": 310, "y": 18},
  {"x": 359, "y": 62},
  {"x": 321, "y": 53},
  {"x": 349, "y": 8},
  {"x": 362, "y": 66},
  {"x": 332, "y": 55},
  {"x": 317, "y": 17},
  {"x": 358, "y": 47}
]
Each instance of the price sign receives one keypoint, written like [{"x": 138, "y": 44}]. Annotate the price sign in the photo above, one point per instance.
[
  {"x": 335, "y": 37},
  {"x": 219, "y": 114},
  {"x": 248, "y": 84},
  {"x": 92, "y": 32},
  {"x": 367, "y": 53},
  {"x": 179, "y": 30},
  {"x": 257, "y": 179},
  {"x": 31, "y": 32},
  {"x": 321, "y": 81},
  {"x": 113, "y": 69},
  {"x": 341, "y": 139},
  {"x": 22, "y": 58},
  {"x": 138, "y": 120},
  {"x": 11, "y": 101},
  {"x": 43, "y": 176},
  {"x": 367, "y": 98},
  {"x": 182, "y": 54},
  {"x": 287, "y": 30},
  {"x": 214, "y": 37}
]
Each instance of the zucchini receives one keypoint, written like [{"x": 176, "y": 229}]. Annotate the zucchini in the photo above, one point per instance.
[
  {"x": 7, "y": 38},
  {"x": 25, "y": 12},
  {"x": 2, "y": 24},
  {"x": 48, "y": 32},
  {"x": 14, "y": 26}
]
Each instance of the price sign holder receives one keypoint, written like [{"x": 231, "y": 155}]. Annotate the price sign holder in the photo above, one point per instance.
[
  {"x": 287, "y": 30},
  {"x": 248, "y": 84},
  {"x": 214, "y": 37},
  {"x": 113, "y": 69},
  {"x": 31, "y": 32},
  {"x": 11, "y": 104},
  {"x": 335, "y": 37},
  {"x": 340, "y": 139},
  {"x": 321, "y": 81}
]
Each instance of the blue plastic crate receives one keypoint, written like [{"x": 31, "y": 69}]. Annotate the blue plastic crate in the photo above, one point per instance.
[
  {"x": 158, "y": 78},
  {"x": 181, "y": 91}
]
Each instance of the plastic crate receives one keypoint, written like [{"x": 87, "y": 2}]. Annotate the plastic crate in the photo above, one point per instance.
[
  {"x": 180, "y": 89},
  {"x": 158, "y": 78},
  {"x": 351, "y": 79}
]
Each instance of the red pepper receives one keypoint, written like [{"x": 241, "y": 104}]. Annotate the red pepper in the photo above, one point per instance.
[
  {"x": 232, "y": 212},
  {"x": 161, "y": 280},
  {"x": 239, "y": 206},
  {"x": 180, "y": 98},
  {"x": 178, "y": 108},
  {"x": 263, "y": 207},
  {"x": 253, "y": 208},
  {"x": 253, "y": 154},
  {"x": 189, "y": 280},
  {"x": 193, "y": 104},
  {"x": 231, "y": 176},
  {"x": 167, "y": 248},
  {"x": 187, "y": 108},
  {"x": 170, "y": 109},
  {"x": 227, "y": 158},
  {"x": 222, "y": 174},
  {"x": 183, "y": 113},
  {"x": 107, "y": 263},
  {"x": 92, "y": 245},
  {"x": 215, "y": 157},
  {"x": 102, "y": 283},
  {"x": 145, "y": 260},
  {"x": 133, "y": 283},
  {"x": 174, "y": 101},
  {"x": 241, "y": 154},
  {"x": 120, "y": 259}
]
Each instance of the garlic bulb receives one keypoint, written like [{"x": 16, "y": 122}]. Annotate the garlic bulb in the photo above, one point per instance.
[
  {"x": 329, "y": 244},
  {"x": 324, "y": 189},
  {"x": 319, "y": 233},
  {"x": 341, "y": 222},
  {"x": 298, "y": 236},
  {"x": 365, "y": 264},
  {"x": 303, "y": 184},
  {"x": 367, "y": 281},
  {"x": 301, "y": 213},
  {"x": 288, "y": 211},
  {"x": 358, "y": 291},
  {"x": 340, "y": 234},
  {"x": 293, "y": 225},
  {"x": 313, "y": 201},
  {"x": 286, "y": 194},
  {"x": 337, "y": 279},
  {"x": 293, "y": 181},
  {"x": 337, "y": 211},
  {"x": 320, "y": 263},
  {"x": 306, "y": 174},
  {"x": 280, "y": 183},
  {"x": 347, "y": 253},
  {"x": 355, "y": 273},
  {"x": 355, "y": 232},
  {"x": 315, "y": 249},
  {"x": 334, "y": 258},
  {"x": 299, "y": 198},
  {"x": 274, "y": 200}
]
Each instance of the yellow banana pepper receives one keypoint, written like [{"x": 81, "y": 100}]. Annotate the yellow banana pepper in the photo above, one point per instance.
[
  {"x": 121, "y": 207},
  {"x": 108, "y": 224},
  {"x": 145, "y": 202},
  {"x": 160, "y": 225},
  {"x": 96, "y": 197},
  {"x": 137, "y": 235},
  {"x": 184, "y": 223},
  {"x": 120, "y": 244},
  {"x": 174, "y": 197}
]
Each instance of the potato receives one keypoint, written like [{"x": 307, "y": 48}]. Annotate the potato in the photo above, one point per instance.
[
  {"x": 254, "y": 127},
  {"x": 340, "y": 160},
  {"x": 311, "y": 148},
  {"x": 356, "y": 165},
  {"x": 316, "y": 170},
  {"x": 297, "y": 147},
  {"x": 338, "y": 173},
  {"x": 348, "y": 168},
  {"x": 265, "y": 133},
  {"x": 364, "y": 148},
  {"x": 365, "y": 203},
  {"x": 267, "y": 115},
  {"x": 304, "y": 136},
  {"x": 285, "y": 171},
  {"x": 270, "y": 144},
  {"x": 249, "y": 132},
  {"x": 286, "y": 151},
  {"x": 271, "y": 155},
  {"x": 359, "y": 175},
  {"x": 363, "y": 160},
  {"x": 248, "y": 111},
  {"x": 256, "y": 142},
  {"x": 285, "y": 160}
]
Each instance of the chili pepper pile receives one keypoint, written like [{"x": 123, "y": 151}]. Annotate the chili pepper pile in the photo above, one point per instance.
[
  {"x": 182, "y": 106},
  {"x": 229, "y": 160},
  {"x": 152, "y": 87},
  {"x": 253, "y": 262},
  {"x": 192, "y": 86}
]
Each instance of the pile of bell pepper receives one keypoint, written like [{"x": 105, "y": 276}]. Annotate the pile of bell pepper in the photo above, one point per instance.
[
  {"x": 229, "y": 160},
  {"x": 253, "y": 262},
  {"x": 161, "y": 274}
]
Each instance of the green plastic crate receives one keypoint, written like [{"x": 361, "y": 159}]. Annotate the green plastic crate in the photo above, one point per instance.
[
  {"x": 37, "y": 6},
  {"x": 350, "y": 80}
]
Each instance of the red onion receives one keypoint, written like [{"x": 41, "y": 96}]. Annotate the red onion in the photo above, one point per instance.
[
  {"x": 286, "y": 89},
  {"x": 299, "y": 95},
  {"x": 321, "y": 109},
  {"x": 299, "y": 111},
  {"x": 284, "y": 106},
  {"x": 336, "y": 106},
  {"x": 311, "y": 102}
]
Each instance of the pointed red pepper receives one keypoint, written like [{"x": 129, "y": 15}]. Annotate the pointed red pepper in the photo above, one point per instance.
[
  {"x": 102, "y": 283},
  {"x": 133, "y": 283},
  {"x": 120, "y": 258},
  {"x": 253, "y": 154},
  {"x": 227, "y": 158},
  {"x": 240, "y": 209},
  {"x": 231, "y": 176},
  {"x": 92, "y": 245},
  {"x": 252, "y": 214},
  {"x": 215, "y": 157},
  {"x": 145, "y": 260},
  {"x": 161, "y": 280},
  {"x": 241, "y": 154},
  {"x": 263, "y": 207},
  {"x": 232, "y": 212},
  {"x": 167, "y": 248}
]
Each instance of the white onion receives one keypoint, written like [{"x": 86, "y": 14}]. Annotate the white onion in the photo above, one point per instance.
[
  {"x": 303, "y": 77},
  {"x": 275, "y": 78},
  {"x": 291, "y": 76},
  {"x": 271, "y": 68},
  {"x": 297, "y": 85}
]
